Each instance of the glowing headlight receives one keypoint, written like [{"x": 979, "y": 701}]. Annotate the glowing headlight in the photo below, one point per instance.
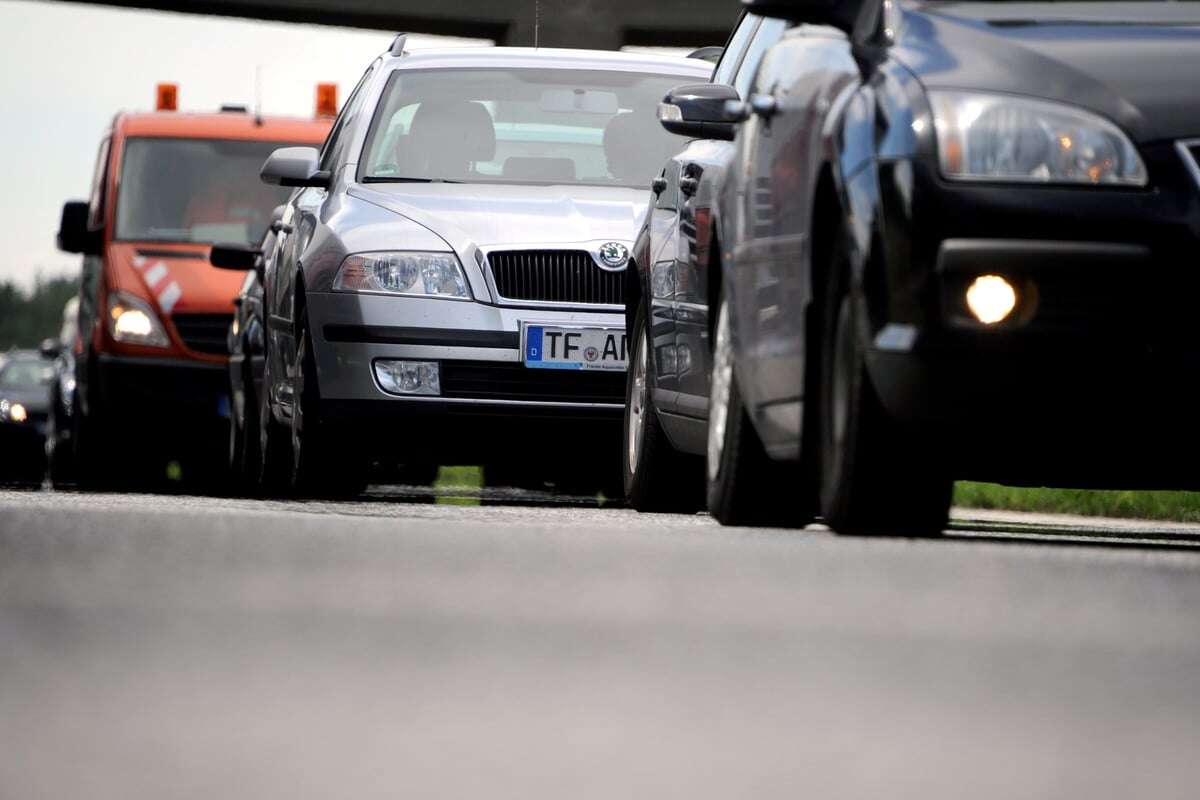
[
  {"x": 995, "y": 137},
  {"x": 425, "y": 274},
  {"x": 133, "y": 321},
  {"x": 13, "y": 412},
  {"x": 991, "y": 299}
]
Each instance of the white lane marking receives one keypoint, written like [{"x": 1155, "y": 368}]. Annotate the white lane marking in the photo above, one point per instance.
[
  {"x": 169, "y": 297},
  {"x": 139, "y": 261},
  {"x": 155, "y": 274}
]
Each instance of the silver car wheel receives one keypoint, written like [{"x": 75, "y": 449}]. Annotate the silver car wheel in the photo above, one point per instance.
[
  {"x": 637, "y": 407},
  {"x": 719, "y": 392},
  {"x": 298, "y": 378}
]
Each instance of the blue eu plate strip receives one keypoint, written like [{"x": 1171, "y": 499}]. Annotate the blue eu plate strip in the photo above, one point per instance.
[{"x": 533, "y": 344}]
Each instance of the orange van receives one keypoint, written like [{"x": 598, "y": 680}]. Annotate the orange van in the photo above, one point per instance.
[{"x": 150, "y": 397}]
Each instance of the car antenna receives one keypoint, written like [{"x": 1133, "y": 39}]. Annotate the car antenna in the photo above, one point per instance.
[{"x": 537, "y": 21}]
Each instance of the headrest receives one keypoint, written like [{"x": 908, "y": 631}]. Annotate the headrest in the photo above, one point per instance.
[
  {"x": 635, "y": 146},
  {"x": 462, "y": 128}
]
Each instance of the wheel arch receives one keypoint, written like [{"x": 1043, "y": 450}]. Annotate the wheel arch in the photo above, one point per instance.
[
  {"x": 634, "y": 292},
  {"x": 299, "y": 305},
  {"x": 715, "y": 273}
]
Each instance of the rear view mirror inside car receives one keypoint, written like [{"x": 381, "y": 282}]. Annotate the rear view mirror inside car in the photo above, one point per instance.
[{"x": 577, "y": 101}]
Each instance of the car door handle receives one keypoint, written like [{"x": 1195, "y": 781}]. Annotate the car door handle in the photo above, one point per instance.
[
  {"x": 764, "y": 105},
  {"x": 688, "y": 186},
  {"x": 658, "y": 185}
]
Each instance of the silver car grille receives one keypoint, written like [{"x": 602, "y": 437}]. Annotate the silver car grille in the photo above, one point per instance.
[
  {"x": 1190, "y": 152},
  {"x": 555, "y": 276}
]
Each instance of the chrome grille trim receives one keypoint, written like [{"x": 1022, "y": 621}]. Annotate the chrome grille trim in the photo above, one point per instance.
[
  {"x": 1189, "y": 150},
  {"x": 554, "y": 278}
]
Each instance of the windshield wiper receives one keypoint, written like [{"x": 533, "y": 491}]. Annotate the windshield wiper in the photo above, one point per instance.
[{"x": 389, "y": 179}]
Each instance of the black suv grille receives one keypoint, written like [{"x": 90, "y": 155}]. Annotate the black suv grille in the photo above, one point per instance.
[
  {"x": 204, "y": 333},
  {"x": 555, "y": 276},
  {"x": 499, "y": 380}
]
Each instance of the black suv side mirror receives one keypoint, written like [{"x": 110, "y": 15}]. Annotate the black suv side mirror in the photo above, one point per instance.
[
  {"x": 841, "y": 14},
  {"x": 239, "y": 257},
  {"x": 699, "y": 111},
  {"x": 74, "y": 236}
]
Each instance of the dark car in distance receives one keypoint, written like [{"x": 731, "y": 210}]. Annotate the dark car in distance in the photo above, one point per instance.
[
  {"x": 957, "y": 242},
  {"x": 25, "y": 379}
]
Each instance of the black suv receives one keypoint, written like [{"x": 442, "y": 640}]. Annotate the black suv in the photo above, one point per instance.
[{"x": 958, "y": 240}]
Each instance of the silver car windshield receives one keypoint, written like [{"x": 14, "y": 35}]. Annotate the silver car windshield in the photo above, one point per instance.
[
  {"x": 26, "y": 375},
  {"x": 539, "y": 126},
  {"x": 195, "y": 190}
]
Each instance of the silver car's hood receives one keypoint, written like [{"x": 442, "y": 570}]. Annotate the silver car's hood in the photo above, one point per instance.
[{"x": 496, "y": 215}]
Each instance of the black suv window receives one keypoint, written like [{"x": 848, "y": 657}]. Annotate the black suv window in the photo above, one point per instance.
[
  {"x": 732, "y": 56},
  {"x": 768, "y": 33}
]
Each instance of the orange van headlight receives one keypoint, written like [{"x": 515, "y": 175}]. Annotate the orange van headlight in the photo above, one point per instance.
[{"x": 131, "y": 320}]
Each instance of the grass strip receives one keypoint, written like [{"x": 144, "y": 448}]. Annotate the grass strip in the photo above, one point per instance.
[
  {"x": 459, "y": 478},
  {"x": 1173, "y": 506}
]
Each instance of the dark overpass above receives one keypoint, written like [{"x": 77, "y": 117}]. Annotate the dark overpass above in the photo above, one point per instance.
[{"x": 605, "y": 24}]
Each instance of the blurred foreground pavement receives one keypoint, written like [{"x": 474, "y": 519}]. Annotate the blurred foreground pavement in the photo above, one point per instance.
[{"x": 175, "y": 647}]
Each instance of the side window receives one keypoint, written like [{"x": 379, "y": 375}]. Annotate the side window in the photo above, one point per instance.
[
  {"x": 336, "y": 143},
  {"x": 96, "y": 199},
  {"x": 732, "y": 56},
  {"x": 768, "y": 33}
]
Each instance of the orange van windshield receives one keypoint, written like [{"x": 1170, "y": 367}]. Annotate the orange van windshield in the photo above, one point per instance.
[{"x": 195, "y": 190}]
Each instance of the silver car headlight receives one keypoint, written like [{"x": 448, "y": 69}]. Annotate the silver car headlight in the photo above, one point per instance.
[
  {"x": 412, "y": 273},
  {"x": 996, "y": 137},
  {"x": 133, "y": 321}
]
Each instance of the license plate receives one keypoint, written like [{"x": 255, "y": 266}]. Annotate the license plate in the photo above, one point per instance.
[{"x": 567, "y": 347}]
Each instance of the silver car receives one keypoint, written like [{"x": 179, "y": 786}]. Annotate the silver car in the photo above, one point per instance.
[{"x": 447, "y": 285}]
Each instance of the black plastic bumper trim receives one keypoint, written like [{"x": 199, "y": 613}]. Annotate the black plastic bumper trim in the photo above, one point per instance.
[
  {"x": 107, "y": 359},
  {"x": 375, "y": 334},
  {"x": 979, "y": 255}
]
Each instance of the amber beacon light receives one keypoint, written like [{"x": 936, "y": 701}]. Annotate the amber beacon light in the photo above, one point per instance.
[
  {"x": 167, "y": 97},
  {"x": 327, "y": 100}
]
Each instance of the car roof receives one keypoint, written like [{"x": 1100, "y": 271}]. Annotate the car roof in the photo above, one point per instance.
[
  {"x": 551, "y": 58},
  {"x": 226, "y": 125},
  {"x": 21, "y": 355}
]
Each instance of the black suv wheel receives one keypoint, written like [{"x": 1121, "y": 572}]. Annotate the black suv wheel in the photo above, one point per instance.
[{"x": 876, "y": 477}]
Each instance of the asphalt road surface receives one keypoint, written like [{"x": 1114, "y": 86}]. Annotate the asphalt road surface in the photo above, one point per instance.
[{"x": 179, "y": 647}]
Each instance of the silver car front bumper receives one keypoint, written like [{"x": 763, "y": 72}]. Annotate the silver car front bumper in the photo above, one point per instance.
[{"x": 351, "y": 331}]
